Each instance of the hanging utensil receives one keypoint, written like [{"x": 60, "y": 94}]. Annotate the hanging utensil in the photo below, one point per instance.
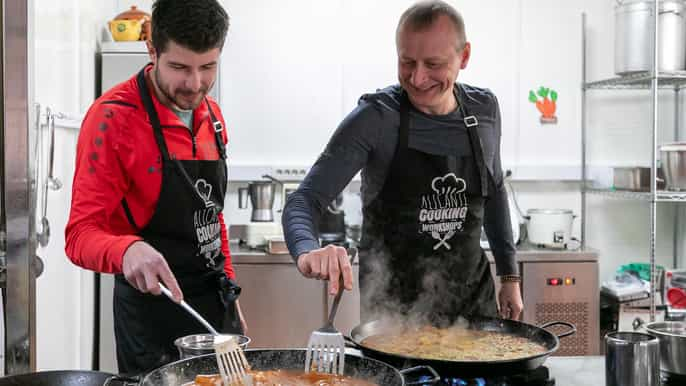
[
  {"x": 53, "y": 182},
  {"x": 43, "y": 235}
]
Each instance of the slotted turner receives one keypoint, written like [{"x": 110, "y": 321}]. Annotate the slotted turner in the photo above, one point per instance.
[
  {"x": 326, "y": 348},
  {"x": 233, "y": 367},
  {"x": 231, "y": 360}
]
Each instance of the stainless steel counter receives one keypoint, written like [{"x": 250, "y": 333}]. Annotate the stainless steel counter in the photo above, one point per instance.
[
  {"x": 241, "y": 254},
  {"x": 577, "y": 371},
  {"x": 283, "y": 308}
]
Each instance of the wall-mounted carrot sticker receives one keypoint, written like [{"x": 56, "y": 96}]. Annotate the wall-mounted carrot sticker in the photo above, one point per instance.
[{"x": 545, "y": 100}]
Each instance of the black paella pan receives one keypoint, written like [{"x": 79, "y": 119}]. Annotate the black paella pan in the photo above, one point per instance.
[{"x": 539, "y": 335}]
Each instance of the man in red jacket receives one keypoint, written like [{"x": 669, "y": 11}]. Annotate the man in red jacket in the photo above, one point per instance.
[{"x": 149, "y": 189}]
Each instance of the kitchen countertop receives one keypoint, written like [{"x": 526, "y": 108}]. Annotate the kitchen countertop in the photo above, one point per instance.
[
  {"x": 241, "y": 254},
  {"x": 577, "y": 371}
]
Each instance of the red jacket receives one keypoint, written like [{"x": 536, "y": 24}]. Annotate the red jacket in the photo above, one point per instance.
[{"x": 117, "y": 157}]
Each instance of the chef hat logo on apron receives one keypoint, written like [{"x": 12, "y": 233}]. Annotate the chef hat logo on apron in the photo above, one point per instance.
[
  {"x": 444, "y": 210},
  {"x": 448, "y": 184},
  {"x": 205, "y": 191}
]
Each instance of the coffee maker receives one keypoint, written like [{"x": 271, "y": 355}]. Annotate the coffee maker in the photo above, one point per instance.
[
  {"x": 261, "y": 194},
  {"x": 262, "y": 226}
]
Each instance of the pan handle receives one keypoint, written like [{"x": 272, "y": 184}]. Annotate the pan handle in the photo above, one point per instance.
[
  {"x": 431, "y": 381},
  {"x": 121, "y": 380},
  {"x": 572, "y": 328},
  {"x": 349, "y": 342}
]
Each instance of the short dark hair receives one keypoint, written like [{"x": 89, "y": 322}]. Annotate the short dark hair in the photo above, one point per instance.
[
  {"x": 423, "y": 14},
  {"x": 199, "y": 25}
]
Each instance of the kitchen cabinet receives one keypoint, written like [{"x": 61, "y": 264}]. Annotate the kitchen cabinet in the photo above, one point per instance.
[{"x": 282, "y": 307}]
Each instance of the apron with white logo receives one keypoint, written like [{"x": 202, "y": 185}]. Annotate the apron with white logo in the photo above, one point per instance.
[
  {"x": 420, "y": 252},
  {"x": 185, "y": 229}
]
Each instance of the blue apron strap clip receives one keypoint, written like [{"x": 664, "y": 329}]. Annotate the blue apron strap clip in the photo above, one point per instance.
[{"x": 471, "y": 121}]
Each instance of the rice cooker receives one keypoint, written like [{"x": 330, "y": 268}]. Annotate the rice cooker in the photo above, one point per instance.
[{"x": 550, "y": 228}]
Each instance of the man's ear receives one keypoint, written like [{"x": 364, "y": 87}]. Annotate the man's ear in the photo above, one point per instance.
[
  {"x": 151, "y": 52},
  {"x": 466, "y": 52}
]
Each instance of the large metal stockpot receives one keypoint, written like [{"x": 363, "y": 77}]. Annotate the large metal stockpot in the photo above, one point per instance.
[
  {"x": 672, "y": 336},
  {"x": 634, "y": 36},
  {"x": 631, "y": 359}
]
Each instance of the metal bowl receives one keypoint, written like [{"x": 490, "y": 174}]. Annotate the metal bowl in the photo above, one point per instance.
[
  {"x": 191, "y": 346},
  {"x": 672, "y": 336}
]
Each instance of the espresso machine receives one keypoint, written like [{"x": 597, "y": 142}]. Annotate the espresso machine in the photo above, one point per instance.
[{"x": 262, "y": 226}]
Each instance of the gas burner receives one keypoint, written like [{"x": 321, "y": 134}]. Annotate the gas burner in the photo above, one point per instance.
[
  {"x": 537, "y": 377},
  {"x": 669, "y": 379}
]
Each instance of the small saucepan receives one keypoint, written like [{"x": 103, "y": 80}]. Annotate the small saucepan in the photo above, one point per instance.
[{"x": 200, "y": 344}]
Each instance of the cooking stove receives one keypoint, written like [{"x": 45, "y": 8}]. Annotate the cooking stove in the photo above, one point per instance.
[{"x": 538, "y": 377}]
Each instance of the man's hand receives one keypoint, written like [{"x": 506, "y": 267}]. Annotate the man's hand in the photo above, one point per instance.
[
  {"x": 244, "y": 324},
  {"x": 510, "y": 301},
  {"x": 143, "y": 268},
  {"x": 327, "y": 263}
]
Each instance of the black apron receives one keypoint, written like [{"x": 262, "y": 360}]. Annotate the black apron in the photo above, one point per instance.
[
  {"x": 185, "y": 229},
  {"x": 420, "y": 254}
]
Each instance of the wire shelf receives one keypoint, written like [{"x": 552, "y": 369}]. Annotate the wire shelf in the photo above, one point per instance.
[
  {"x": 640, "y": 80},
  {"x": 662, "y": 195}
]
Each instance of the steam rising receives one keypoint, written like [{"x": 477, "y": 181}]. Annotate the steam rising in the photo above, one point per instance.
[{"x": 436, "y": 296}]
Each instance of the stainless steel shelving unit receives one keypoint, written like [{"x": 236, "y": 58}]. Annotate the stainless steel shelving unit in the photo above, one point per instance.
[{"x": 654, "y": 81}]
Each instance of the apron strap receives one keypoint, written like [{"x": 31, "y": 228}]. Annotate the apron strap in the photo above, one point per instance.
[
  {"x": 218, "y": 129},
  {"x": 157, "y": 131},
  {"x": 129, "y": 215},
  {"x": 471, "y": 123},
  {"x": 152, "y": 114}
]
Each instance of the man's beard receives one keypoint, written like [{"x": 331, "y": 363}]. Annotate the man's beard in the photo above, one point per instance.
[{"x": 163, "y": 87}]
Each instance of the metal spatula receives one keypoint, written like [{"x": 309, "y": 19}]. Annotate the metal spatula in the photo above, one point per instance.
[
  {"x": 190, "y": 310},
  {"x": 233, "y": 367},
  {"x": 231, "y": 360},
  {"x": 326, "y": 348}
]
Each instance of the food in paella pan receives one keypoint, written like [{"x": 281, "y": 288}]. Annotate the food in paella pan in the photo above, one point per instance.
[
  {"x": 454, "y": 343},
  {"x": 287, "y": 377}
]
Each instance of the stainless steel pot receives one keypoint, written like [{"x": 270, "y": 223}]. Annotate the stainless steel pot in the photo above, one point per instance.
[
  {"x": 631, "y": 359},
  {"x": 672, "y": 336},
  {"x": 190, "y": 346},
  {"x": 673, "y": 159},
  {"x": 634, "y": 36}
]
